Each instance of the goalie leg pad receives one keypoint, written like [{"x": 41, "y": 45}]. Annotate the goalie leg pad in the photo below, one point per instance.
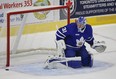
[
  {"x": 86, "y": 58},
  {"x": 89, "y": 62},
  {"x": 77, "y": 63}
]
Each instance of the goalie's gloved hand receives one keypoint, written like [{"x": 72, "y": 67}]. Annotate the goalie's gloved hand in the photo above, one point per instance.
[
  {"x": 99, "y": 46},
  {"x": 61, "y": 44},
  {"x": 60, "y": 47}
]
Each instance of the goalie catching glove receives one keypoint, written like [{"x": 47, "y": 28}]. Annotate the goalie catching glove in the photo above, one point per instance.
[{"x": 99, "y": 46}]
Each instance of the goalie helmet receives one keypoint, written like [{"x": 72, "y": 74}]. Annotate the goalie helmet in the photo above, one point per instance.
[
  {"x": 81, "y": 23},
  {"x": 81, "y": 20}
]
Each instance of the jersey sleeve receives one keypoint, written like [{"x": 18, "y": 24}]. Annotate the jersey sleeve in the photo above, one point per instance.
[
  {"x": 61, "y": 33},
  {"x": 90, "y": 37}
]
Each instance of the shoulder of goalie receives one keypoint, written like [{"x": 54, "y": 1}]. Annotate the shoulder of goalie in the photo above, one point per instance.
[{"x": 99, "y": 46}]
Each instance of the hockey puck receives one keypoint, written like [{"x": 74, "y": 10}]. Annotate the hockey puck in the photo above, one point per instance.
[{"x": 7, "y": 69}]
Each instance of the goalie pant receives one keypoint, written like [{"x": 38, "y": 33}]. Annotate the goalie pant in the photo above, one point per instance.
[{"x": 86, "y": 58}]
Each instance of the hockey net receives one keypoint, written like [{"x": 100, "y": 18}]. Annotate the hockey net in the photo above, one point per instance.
[{"x": 30, "y": 31}]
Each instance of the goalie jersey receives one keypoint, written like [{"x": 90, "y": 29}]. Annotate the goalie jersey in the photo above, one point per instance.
[{"x": 73, "y": 37}]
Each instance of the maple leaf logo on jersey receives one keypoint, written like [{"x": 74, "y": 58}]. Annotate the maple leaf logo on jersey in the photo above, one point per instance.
[{"x": 80, "y": 42}]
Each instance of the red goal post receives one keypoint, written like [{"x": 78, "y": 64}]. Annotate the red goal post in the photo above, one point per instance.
[{"x": 28, "y": 10}]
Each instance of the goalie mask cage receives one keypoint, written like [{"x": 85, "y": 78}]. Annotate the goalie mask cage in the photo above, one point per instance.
[{"x": 23, "y": 13}]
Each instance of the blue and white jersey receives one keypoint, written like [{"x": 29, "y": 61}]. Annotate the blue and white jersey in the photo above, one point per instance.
[{"x": 71, "y": 35}]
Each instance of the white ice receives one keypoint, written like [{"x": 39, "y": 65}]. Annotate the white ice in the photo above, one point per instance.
[{"x": 104, "y": 63}]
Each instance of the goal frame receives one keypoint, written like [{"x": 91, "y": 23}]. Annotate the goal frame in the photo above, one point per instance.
[{"x": 9, "y": 13}]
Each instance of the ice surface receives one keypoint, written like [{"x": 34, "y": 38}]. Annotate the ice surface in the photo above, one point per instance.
[
  {"x": 38, "y": 69},
  {"x": 104, "y": 63}
]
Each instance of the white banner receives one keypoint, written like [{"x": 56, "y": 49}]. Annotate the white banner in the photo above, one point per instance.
[{"x": 32, "y": 17}]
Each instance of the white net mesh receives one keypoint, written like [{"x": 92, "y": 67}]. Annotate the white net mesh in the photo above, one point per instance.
[{"x": 31, "y": 34}]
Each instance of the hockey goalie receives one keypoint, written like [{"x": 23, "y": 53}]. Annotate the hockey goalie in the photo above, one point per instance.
[{"x": 70, "y": 41}]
